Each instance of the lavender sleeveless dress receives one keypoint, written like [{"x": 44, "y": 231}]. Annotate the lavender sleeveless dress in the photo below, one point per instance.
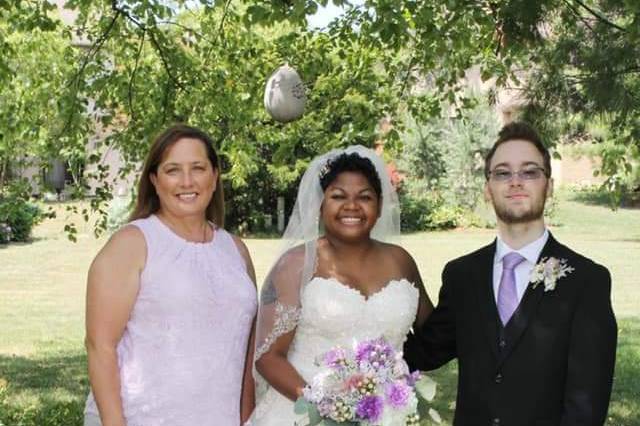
[{"x": 182, "y": 354}]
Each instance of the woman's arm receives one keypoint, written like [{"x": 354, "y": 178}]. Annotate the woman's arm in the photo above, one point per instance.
[
  {"x": 410, "y": 270},
  {"x": 278, "y": 371},
  {"x": 278, "y": 319},
  {"x": 248, "y": 397},
  {"x": 112, "y": 288},
  {"x": 425, "y": 306}
]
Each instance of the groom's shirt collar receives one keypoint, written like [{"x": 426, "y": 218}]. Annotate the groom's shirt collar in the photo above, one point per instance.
[{"x": 531, "y": 253}]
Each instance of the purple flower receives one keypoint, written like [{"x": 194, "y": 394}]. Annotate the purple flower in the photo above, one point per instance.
[
  {"x": 413, "y": 378},
  {"x": 375, "y": 352},
  {"x": 335, "y": 358},
  {"x": 370, "y": 408},
  {"x": 397, "y": 394}
]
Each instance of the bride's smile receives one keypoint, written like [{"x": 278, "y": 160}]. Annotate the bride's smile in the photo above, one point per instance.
[{"x": 350, "y": 208}]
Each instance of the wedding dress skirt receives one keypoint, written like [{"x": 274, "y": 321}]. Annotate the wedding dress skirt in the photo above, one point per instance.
[{"x": 334, "y": 314}]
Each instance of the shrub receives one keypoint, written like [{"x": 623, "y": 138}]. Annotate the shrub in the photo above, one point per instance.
[
  {"x": 424, "y": 208},
  {"x": 443, "y": 157},
  {"x": 446, "y": 217},
  {"x": 5, "y": 233},
  {"x": 416, "y": 208},
  {"x": 18, "y": 215}
]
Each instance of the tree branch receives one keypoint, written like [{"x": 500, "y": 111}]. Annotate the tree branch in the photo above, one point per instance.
[
  {"x": 599, "y": 16},
  {"x": 95, "y": 48},
  {"x": 407, "y": 75},
  {"x": 133, "y": 75},
  {"x": 155, "y": 43},
  {"x": 579, "y": 15},
  {"x": 225, "y": 11},
  {"x": 165, "y": 63},
  {"x": 184, "y": 27},
  {"x": 165, "y": 102},
  {"x": 219, "y": 34}
]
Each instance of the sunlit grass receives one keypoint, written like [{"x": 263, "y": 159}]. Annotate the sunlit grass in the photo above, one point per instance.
[{"x": 42, "y": 362}]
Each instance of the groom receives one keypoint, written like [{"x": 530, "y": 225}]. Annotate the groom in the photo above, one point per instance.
[{"x": 532, "y": 350}]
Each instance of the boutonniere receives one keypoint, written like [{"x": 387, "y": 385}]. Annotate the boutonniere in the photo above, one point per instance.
[{"x": 548, "y": 271}]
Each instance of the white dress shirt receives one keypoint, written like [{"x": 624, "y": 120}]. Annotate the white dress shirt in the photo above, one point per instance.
[{"x": 530, "y": 252}]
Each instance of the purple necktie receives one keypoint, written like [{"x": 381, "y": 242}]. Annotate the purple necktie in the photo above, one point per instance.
[{"x": 507, "y": 296}]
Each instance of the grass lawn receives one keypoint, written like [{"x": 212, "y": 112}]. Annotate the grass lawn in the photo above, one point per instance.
[{"x": 43, "y": 377}]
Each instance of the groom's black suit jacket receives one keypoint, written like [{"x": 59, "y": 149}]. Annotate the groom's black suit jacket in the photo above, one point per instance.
[{"x": 553, "y": 362}]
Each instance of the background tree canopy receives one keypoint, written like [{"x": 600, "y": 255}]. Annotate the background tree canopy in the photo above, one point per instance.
[{"x": 149, "y": 63}]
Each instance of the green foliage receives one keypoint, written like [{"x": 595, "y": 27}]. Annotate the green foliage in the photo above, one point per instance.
[
  {"x": 562, "y": 56},
  {"x": 425, "y": 209},
  {"x": 416, "y": 208},
  {"x": 21, "y": 16},
  {"x": 597, "y": 195},
  {"x": 588, "y": 67},
  {"x": 153, "y": 66},
  {"x": 52, "y": 368},
  {"x": 443, "y": 162},
  {"x": 149, "y": 64},
  {"x": 53, "y": 414},
  {"x": 34, "y": 103},
  {"x": 18, "y": 216}
]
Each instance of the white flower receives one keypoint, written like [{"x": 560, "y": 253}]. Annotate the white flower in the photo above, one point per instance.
[{"x": 548, "y": 271}]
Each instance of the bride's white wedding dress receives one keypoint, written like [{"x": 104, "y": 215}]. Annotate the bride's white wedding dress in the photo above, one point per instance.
[{"x": 334, "y": 314}]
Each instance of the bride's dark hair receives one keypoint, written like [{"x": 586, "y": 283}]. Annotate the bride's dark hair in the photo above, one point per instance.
[{"x": 350, "y": 162}]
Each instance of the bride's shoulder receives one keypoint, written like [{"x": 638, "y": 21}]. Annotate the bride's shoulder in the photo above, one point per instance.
[
  {"x": 395, "y": 251},
  {"x": 399, "y": 259},
  {"x": 292, "y": 258}
]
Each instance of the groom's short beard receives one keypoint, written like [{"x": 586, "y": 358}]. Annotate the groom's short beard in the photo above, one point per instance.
[{"x": 513, "y": 218}]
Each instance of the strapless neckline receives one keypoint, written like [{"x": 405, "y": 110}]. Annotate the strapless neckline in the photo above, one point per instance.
[
  {"x": 355, "y": 291},
  {"x": 333, "y": 314}
]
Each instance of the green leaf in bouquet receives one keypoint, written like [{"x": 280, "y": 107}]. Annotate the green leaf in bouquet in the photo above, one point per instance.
[
  {"x": 435, "y": 416},
  {"x": 301, "y": 406},
  {"x": 331, "y": 422},
  {"x": 426, "y": 388},
  {"x": 314, "y": 416}
]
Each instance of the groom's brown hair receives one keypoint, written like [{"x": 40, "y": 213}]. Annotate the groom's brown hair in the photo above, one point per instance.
[{"x": 523, "y": 131}]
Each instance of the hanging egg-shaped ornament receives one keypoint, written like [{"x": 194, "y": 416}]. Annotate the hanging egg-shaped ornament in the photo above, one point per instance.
[{"x": 284, "y": 96}]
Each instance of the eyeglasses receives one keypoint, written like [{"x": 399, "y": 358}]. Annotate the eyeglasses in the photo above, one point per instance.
[{"x": 505, "y": 175}]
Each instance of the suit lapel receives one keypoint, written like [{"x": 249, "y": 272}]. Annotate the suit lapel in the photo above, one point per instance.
[
  {"x": 483, "y": 274},
  {"x": 527, "y": 308}
]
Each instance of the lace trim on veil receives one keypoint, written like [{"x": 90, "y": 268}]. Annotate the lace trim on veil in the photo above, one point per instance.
[{"x": 287, "y": 318}]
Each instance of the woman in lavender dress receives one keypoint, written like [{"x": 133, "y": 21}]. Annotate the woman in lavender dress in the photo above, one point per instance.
[{"x": 171, "y": 301}]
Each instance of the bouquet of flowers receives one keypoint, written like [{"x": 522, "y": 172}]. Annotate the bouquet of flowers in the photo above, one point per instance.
[{"x": 368, "y": 385}]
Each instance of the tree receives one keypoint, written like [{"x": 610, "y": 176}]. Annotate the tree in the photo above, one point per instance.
[
  {"x": 32, "y": 100},
  {"x": 568, "y": 57},
  {"x": 150, "y": 65},
  {"x": 155, "y": 62},
  {"x": 588, "y": 72}
]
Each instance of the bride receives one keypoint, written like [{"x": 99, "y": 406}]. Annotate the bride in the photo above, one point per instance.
[{"x": 336, "y": 282}]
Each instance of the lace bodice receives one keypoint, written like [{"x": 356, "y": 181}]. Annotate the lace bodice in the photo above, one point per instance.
[{"x": 333, "y": 314}]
